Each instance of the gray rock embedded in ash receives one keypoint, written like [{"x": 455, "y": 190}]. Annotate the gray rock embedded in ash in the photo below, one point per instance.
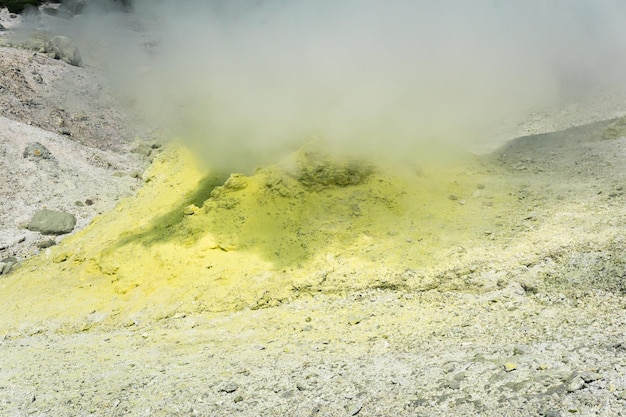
[
  {"x": 35, "y": 151},
  {"x": 7, "y": 264},
  {"x": 575, "y": 384},
  {"x": 62, "y": 47},
  {"x": 589, "y": 376},
  {"x": 229, "y": 388},
  {"x": 45, "y": 243},
  {"x": 52, "y": 222}
]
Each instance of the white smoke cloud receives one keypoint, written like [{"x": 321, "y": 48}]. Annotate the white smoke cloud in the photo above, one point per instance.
[{"x": 245, "y": 80}]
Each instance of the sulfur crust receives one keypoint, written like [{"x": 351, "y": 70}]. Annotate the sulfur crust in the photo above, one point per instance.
[{"x": 194, "y": 241}]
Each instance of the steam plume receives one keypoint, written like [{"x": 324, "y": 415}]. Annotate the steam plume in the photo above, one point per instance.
[{"x": 245, "y": 80}]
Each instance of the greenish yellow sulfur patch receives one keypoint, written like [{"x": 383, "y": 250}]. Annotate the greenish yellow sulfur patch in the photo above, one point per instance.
[{"x": 193, "y": 240}]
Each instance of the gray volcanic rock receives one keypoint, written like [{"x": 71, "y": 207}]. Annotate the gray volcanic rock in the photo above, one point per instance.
[
  {"x": 62, "y": 47},
  {"x": 52, "y": 222}
]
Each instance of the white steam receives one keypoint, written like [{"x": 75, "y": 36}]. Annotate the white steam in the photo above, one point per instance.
[{"x": 245, "y": 80}]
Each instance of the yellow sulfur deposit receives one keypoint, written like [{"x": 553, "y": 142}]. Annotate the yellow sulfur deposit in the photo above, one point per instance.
[{"x": 196, "y": 241}]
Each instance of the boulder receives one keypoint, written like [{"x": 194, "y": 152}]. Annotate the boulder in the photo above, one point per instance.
[
  {"x": 62, "y": 47},
  {"x": 52, "y": 222}
]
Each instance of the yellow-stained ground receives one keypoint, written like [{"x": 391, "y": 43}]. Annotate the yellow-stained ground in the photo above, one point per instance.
[
  {"x": 330, "y": 286},
  {"x": 196, "y": 241}
]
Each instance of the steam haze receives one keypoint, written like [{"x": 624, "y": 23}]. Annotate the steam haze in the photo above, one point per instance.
[{"x": 245, "y": 81}]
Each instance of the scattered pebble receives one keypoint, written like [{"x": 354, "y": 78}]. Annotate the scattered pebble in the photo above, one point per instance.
[
  {"x": 510, "y": 366},
  {"x": 455, "y": 384},
  {"x": 356, "y": 409},
  {"x": 520, "y": 349},
  {"x": 229, "y": 388},
  {"x": 589, "y": 376},
  {"x": 575, "y": 384}
]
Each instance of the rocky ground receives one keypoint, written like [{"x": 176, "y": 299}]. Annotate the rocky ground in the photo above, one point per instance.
[
  {"x": 538, "y": 332},
  {"x": 80, "y": 135}
]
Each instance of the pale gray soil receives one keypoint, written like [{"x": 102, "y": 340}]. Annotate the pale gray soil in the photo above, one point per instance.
[
  {"x": 69, "y": 111},
  {"x": 544, "y": 337}
]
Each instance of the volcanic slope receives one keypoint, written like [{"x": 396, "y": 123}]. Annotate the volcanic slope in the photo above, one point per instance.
[{"x": 195, "y": 241}]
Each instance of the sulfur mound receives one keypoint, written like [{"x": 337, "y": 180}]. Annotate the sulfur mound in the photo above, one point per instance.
[{"x": 195, "y": 241}]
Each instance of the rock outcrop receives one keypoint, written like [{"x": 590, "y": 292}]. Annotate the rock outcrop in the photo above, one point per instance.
[
  {"x": 52, "y": 222},
  {"x": 62, "y": 47}
]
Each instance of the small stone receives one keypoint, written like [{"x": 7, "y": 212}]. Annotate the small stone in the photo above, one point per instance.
[
  {"x": 575, "y": 384},
  {"x": 520, "y": 349},
  {"x": 46, "y": 243},
  {"x": 356, "y": 409},
  {"x": 190, "y": 210},
  {"x": 460, "y": 376},
  {"x": 448, "y": 368},
  {"x": 552, "y": 413},
  {"x": 453, "y": 197},
  {"x": 509, "y": 366},
  {"x": 142, "y": 149},
  {"x": 36, "y": 151},
  {"x": 589, "y": 376},
  {"x": 455, "y": 384},
  {"x": 7, "y": 264},
  {"x": 238, "y": 399},
  {"x": 229, "y": 388}
]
